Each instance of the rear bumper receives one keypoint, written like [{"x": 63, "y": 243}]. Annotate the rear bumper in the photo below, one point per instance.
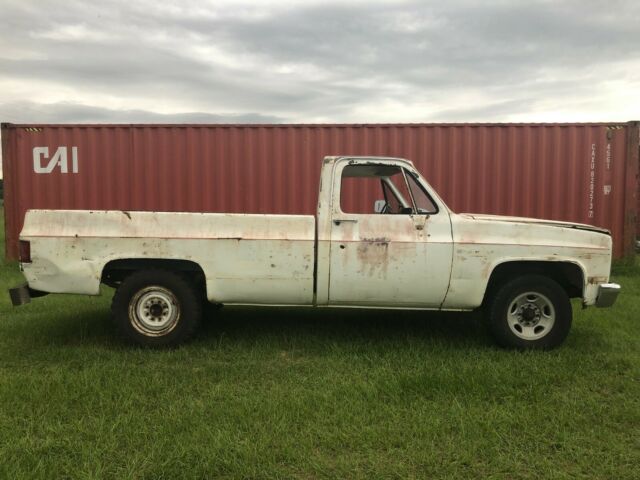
[
  {"x": 607, "y": 294},
  {"x": 23, "y": 294}
]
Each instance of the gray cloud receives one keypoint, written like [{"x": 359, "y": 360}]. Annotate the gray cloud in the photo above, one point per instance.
[
  {"x": 66, "y": 112},
  {"x": 330, "y": 61},
  {"x": 428, "y": 46}
]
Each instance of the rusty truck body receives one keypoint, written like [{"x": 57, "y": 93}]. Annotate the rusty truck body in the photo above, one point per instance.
[{"x": 407, "y": 250}]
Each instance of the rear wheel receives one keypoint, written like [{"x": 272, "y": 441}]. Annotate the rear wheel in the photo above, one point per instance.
[
  {"x": 531, "y": 311},
  {"x": 156, "y": 308}
]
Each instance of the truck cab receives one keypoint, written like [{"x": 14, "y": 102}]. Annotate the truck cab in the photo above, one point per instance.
[{"x": 384, "y": 236}]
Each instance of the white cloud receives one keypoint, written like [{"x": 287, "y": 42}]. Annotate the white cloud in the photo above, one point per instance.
[{"x": 323, "y": 60}]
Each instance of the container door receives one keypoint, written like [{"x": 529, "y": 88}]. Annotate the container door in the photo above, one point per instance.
[{"x": 390, "y": 244}]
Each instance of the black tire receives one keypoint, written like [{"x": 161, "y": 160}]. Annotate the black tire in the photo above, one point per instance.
[
  {"x": 520, "y": 313},
  {"x": 156, "y": 308}
]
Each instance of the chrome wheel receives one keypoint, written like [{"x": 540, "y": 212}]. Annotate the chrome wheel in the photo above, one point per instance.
[
  {"x": 531, "y": 316},
  {"x": 154, "y": 311}
]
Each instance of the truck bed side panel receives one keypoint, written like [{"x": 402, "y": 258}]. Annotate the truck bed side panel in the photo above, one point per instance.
[{"x": 262, "y": 259}]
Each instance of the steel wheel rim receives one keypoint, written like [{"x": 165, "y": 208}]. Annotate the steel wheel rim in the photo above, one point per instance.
[
  {"x": 154, "y": 311},
  {"x": 531, "y": 316}
]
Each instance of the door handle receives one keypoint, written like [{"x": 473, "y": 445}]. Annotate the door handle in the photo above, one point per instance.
[{"x": 338, "y": 221}]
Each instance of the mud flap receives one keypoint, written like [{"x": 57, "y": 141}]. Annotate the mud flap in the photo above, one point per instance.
[{"x": 23, "y": 294}]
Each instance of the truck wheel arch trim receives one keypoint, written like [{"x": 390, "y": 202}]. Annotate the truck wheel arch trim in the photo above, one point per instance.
[
  {"x": 131, "y": 264},
  {"x": 533, "y": 263}
]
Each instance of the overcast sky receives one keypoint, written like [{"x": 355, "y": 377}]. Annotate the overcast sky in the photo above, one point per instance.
[{"x": 318, "y": 61}]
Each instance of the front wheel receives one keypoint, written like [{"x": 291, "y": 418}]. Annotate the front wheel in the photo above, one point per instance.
[
  {"x": 530, "y": 312},
  {"x": 156, "y": 308}
]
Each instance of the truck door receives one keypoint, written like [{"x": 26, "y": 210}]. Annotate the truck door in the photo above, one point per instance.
[{"x": 390, "y": 242}]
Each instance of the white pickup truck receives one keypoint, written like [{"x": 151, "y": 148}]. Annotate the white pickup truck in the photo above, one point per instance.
[{"x": 402, "y": 249}]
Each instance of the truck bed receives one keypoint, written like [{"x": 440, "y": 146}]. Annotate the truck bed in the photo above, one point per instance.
[{"x": 258, "y": 259}]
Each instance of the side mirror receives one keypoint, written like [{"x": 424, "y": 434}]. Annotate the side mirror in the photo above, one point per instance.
[{"x": 379, "y": 206}]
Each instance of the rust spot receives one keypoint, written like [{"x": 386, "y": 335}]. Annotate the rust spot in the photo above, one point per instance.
[
  {"x": 596, "y": 280},
  {"x": 373, "y": 255},
  {"x": 377, "y": 241}
]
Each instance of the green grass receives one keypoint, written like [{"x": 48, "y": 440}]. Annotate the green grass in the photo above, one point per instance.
[{"x": 267, "y": 393}]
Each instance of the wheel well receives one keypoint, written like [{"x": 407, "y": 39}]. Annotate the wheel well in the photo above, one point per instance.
[
  {"x": 115, "y": 271},
  {"x": 568, "y": 275}
]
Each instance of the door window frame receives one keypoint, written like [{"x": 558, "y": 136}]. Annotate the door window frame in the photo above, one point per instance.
[{"x": 404, "y": 167}]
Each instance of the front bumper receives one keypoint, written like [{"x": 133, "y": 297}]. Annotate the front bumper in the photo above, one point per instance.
[
  {"x": 23, "y": 294},
  {"x": 607, "y": 294}
]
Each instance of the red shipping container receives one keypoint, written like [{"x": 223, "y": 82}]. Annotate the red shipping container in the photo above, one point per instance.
[{"x": 584, "y": 173}]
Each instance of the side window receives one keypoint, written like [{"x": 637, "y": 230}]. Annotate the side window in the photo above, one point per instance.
[
  {"x": 397, "y": 194},
  {"x": 424, "y": 204},
  {"x": 392, "y": 203},
  {"x": 359, "y": 194},
  {"x": 364, "y": 186}
]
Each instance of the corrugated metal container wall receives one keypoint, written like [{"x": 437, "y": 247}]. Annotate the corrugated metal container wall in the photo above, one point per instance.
[{"x": 578, "y": 172}]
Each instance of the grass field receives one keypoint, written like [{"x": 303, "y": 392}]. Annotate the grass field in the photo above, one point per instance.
[{"x": 315, "y": 394}]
